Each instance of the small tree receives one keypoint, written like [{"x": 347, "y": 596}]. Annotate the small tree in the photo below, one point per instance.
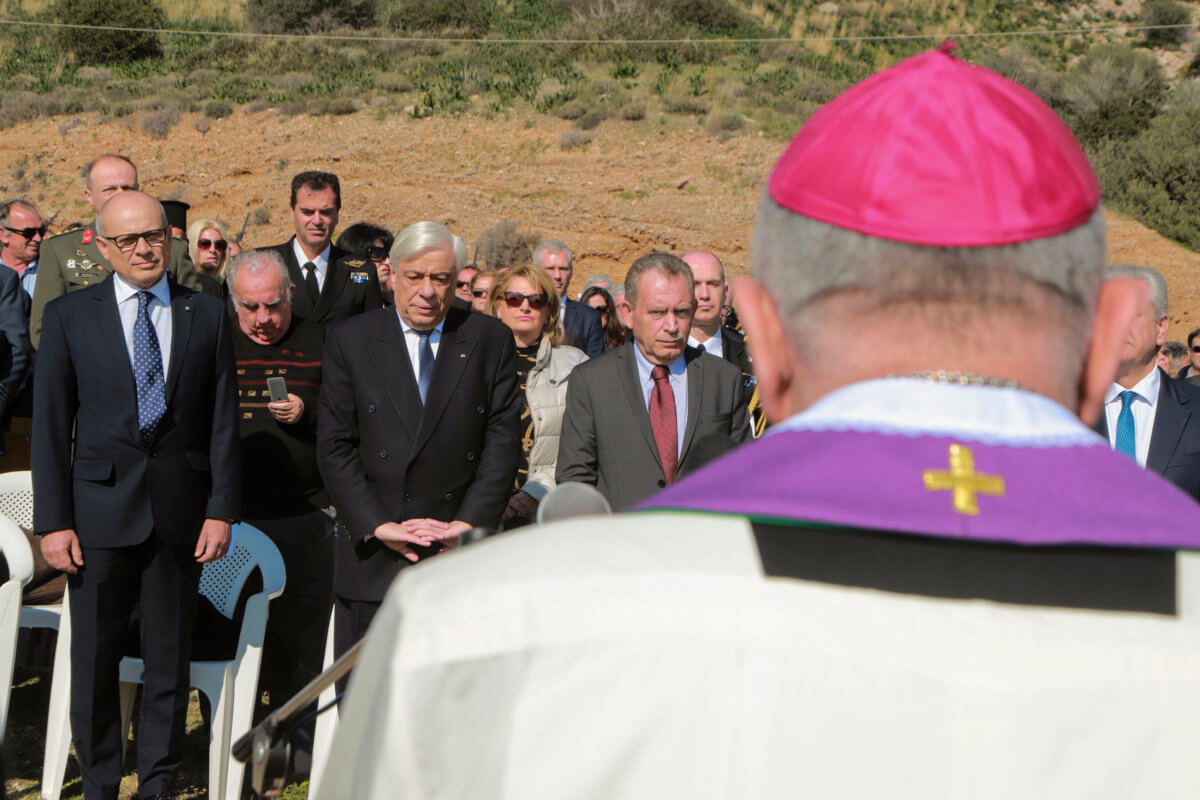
[
  {"x": 1165, "y": 12},
  {"x": 104, "y": 47}
]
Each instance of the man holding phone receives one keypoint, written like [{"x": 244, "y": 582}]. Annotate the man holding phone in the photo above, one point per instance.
[{"x": 279, "y": 376}]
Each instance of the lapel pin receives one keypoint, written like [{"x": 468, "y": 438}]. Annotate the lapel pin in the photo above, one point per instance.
[{"x": 462, "y": 355}]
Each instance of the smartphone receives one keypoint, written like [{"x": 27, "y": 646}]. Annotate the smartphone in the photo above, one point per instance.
[{"x": 278, "y": 389}]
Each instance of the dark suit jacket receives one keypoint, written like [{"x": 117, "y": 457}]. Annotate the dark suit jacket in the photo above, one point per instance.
[
  {"x": 1175, "y": 440},
  {"x": 114, "y": 490},
  {"x": 16, "y": 354},
  {"x": 351, "y": 286},
  {"x": 606, "y": 437},
  {"x": 584, "y": 321},
  {"x": 386, "y": 459},
  {"x": 733, "y": 345}
]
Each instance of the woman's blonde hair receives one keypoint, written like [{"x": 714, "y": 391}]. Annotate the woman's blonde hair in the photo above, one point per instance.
[
  {"x": 193, "y": 239},
  {"x": 545, "y": 285}
]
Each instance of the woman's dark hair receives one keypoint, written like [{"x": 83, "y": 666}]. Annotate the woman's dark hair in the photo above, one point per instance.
[
  {"x": 614, "y": 334},
  {"x": 359, "y": 237}
]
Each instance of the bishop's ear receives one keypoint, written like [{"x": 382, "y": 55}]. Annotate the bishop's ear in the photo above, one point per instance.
[
  {"x": 769, "y": 346},
  {"x": 1116, "y": 308}
]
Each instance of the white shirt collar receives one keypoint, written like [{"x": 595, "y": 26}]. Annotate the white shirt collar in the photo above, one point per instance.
[
  {"x": 1146, "y": 389},
  {"x": 712, "y": 344},
  {"x": 319, "y": 262},
  {"x": 911, "y": 406},
  {"x": 126, "y": 290},
  {"x": 409, "y": 330}
]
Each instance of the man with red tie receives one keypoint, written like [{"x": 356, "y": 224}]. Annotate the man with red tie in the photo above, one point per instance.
[{"x": 675, "y": 409}]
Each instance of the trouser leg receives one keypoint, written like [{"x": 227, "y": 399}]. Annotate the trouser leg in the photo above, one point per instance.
[
  {"x": 102, "y": 598},
  {"x": 169, "y": 590},
  {"x": 351, "y": 619}
]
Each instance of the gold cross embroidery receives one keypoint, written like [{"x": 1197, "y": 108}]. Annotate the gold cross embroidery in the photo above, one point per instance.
[{"x": 963, "y": 480}]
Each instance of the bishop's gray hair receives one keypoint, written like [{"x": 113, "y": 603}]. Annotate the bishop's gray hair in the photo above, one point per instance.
[
  {"x": 253, "y": 262},
  {"x": 421, "y": 236},
  {"x": 800, "y": 260},
  {"x": 1154, "y": 281},
  {"x": 551, "y": 247}
]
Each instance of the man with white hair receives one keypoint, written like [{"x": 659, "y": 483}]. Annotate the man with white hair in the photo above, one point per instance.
[
  {"x": 1148, "y": 416},
  {"x": 578, "y": 319},
  {"x": 418, "y": 427},
  {"x": 929, "y": 580}
]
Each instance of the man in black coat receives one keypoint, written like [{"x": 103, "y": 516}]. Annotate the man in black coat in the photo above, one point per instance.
[
  {"x": 578, "y": 319},
  {"x": 137, "y": 477},
  {"x": 1148, "y": 415},
  {"x": 417, "y": 429},
  {"x": 331, "y": 284}
]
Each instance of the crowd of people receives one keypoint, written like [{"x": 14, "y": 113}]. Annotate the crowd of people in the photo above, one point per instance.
[{"x": 374, "y": 400}]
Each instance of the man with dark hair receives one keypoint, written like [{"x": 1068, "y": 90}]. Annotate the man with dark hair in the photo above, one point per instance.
[
  {"x": 331, "y": 284},
  {"x": 72, "y": 260},
  {"x": 675, "y": 410},
  {"x": 21, "y": 233},
  {"x": 1192, "y": 368}
]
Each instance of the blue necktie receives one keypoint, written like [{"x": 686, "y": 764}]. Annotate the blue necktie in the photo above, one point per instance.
[
  {"x": 1126, "y": 439},
  {"x": 425, "y": 369},
  {"x": 148, "y": 371}
]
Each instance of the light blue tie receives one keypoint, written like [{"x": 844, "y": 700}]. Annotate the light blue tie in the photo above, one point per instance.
[
  {"x": 425, "y": 369},
  {"x": 1126, "y": 439},
  {"x": 148, "y": 371}
]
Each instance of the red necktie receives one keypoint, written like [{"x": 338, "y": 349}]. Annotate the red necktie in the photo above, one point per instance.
[{"x": 662, "y": 422}]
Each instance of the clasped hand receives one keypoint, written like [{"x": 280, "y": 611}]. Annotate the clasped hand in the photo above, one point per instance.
[{"x": 424, "y": 532}]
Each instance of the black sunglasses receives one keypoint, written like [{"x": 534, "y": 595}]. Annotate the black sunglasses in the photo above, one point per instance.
[
  {"x": 1196, "y": 348},
  {"x": 28, "y": 233},
  {"x": 377, "y": 253},
  {"x": 480, "y": 293},
  {"x": 514, "y": 300},
  {"x": 461, "y": 284}
]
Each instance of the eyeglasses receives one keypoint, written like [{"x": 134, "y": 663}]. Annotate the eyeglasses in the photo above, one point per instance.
[
  {"x": 127, "y": 241},
  {"x": 377, "y": 253},
  {"x": 480, "y": 293},
  {"x": 514, "y": 300},
  {"x": 461, "y": 284},
  {"x": 220, "y": 245},
  {"x": 1196, "y": 348},
  {"x": 29, "y": 233}
]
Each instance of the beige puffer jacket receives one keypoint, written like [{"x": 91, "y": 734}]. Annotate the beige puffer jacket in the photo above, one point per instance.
[{"x": 546, "y": 391}]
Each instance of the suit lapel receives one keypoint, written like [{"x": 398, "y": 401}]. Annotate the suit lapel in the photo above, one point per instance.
[
  {"x": 389, "y": 353},
  {"x": 627, "y": 368},
  {"x": 454, "y": 352},
  {"x": 695, "y": 392},
  {"x": 112, "y": 345},
  {"x": 337, "y": 275},
  {"x": 181, "y": 330},
  {"x": 301, "y": 304},
  {"x": 1169, "y": 420}
]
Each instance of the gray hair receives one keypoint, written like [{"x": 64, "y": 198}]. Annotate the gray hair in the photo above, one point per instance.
[
  {"x": 599, "y": 279},
  {"x": 1154, "y": 281},
  {"x": 665, "y": 263},
  {"x": 252, "y": 262},
  {"x": 1176, "y": 351},
  {"x": 460, "y": 252},
  {"x": 8, "y": 205},
  {"x": 800, "y": 260},
  {"x": 421, "y": 236},
  {"x": 551, "y": 247}
]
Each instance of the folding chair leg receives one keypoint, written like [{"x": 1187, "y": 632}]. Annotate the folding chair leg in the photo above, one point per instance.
[
  {"x": 220, "y": 735},
  {"x": 327, "y": 722},
  {"x": 58, "y": 719}
]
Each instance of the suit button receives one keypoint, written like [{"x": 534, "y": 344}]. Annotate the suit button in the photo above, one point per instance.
[
  {"x": 480, "y": 409},
  {"x": 470, "y": 456},
  {"x": 662, "y": 484},
  {"x": 152, "y": 453},
  {"x": 449, "y": 496},
  {"x": 371, "y": 408},
  {"x": 408, "y": 498},
  {"x": 383, "y": 453}
]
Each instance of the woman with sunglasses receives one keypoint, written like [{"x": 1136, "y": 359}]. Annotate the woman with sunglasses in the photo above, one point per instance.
[
  {"x": 370, "y": 241},
  {"x": 524, "y": 299},
  {"x": 208, "y": 246}
]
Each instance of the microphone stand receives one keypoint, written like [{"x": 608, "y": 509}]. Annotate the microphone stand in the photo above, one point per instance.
[{"x": 267, "y": 748}]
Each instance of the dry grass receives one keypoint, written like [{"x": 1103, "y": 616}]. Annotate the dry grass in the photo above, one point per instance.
[{"x": 177, "y": 10}]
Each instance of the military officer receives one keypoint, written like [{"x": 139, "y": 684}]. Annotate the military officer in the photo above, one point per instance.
[{"x": 72, "y": 260}]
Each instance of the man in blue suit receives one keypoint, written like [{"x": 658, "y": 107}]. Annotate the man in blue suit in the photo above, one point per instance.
[
  {"x": 137, "y": 477},
  {"x": 580, "y": 320}
]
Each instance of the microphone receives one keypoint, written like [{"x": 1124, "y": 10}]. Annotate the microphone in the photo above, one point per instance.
[{"x": 571, "y": 499}]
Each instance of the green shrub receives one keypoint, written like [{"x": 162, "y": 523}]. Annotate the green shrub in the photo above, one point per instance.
[
  {"x": 1165, "y": 12},
  {"x": 158, "y": 124},
  {"x": 632, "y": 112},
  {"x": 109, "y": 47},
  {"x": 436, "y": 16},
  {"x": 591, "y": 119},
  {"x": 304, "y": 16},
  {"x": 218, "y": 109},
  {"x": 573, "y": 140},
  {"x": 685, "y": 104},
  {"x": 1112, "y": 93},
  {"x": 726, "y": 123}
]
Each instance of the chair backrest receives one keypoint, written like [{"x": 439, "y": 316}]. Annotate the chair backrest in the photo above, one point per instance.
[
  {"x": 221, "y": 581},
  {"x": 16, "y": 497},
  {"x": 17, "y": 555}
]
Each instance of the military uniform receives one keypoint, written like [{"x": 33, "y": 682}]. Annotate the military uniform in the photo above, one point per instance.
[{"x": 72, "y": 260}]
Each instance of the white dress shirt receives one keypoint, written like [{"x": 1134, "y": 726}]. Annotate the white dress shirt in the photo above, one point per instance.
[
  {"x": 321, "y": 262},
  {"x": 160, "y": 316},
  {"x": 713, "y": 345},
  {"x": 677, "y": 375},
  {"x": 412, "y": 339},
  {"x": 1143, "y": 407}
]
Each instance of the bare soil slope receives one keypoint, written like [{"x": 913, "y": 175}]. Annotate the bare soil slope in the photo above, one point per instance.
[{"x": 636, "y": 187}]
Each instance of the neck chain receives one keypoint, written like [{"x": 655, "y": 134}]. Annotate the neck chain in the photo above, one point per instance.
[{"x": 958, "y": 379}]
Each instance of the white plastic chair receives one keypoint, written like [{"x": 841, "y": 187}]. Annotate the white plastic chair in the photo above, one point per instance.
[
  {"x": 16, "y": 504},
  {"x": 327, "y": 722},
  {"x": 231, "y": 686},
  {"x": 19, "y": 559}
]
